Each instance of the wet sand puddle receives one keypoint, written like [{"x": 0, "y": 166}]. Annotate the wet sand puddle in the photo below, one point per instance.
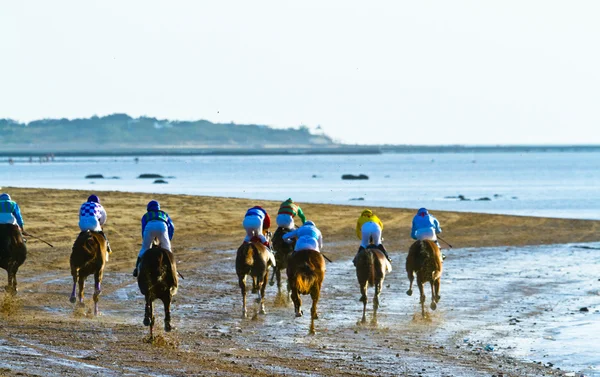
[{"x": 522, "y": 302}]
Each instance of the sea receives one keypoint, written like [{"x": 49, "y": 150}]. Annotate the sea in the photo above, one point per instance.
[{"x": 539, "y": 183}]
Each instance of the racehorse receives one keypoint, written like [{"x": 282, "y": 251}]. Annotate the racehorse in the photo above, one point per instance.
[
  {"x": 306, "y": 271},
  {"x": 157, "y": 279},
  {"x": 13, "y": 253},
  {"x": 253, "y": 259},
  {"x": 371, "y": 268},
  {"x": 425, "y": 259},
  {"x": 88, "y": 257},
  {"x": 282, "y": 252}
]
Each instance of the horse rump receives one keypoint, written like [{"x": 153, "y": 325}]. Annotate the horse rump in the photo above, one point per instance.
[
  {"x": 12, "y": 247},
  {"x": 306, "y": 268},
  {"x": 157, "y": 271}
]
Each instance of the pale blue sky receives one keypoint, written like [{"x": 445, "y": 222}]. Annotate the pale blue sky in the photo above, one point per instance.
[{"x": 404, "y": 72}]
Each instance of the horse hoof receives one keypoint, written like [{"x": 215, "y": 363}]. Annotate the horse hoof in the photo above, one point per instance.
[
  {"x": 72, "y": 299},
  {"x": 363, "y": 299},
  {"x": 316, "y": 316},
  {"x": 298, "y": 314},
  {"x": 437, "y": 298},
  {"x": 409, "y": 292},
  {"x": 168, "y": 327},
  {"x": 271, "y": 283},
  {"x": 433, "y": 306},
  {"x": 146, "y": 321},
  {"x": 244, "y": 315}
]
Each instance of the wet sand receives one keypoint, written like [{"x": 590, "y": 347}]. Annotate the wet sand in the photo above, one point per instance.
[{"x": 42, "y": 333}]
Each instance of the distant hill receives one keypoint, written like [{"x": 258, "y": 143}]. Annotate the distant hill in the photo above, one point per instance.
[{"x": 121, "y": 132}]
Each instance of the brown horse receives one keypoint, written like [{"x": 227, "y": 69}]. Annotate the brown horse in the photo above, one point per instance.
[
  {"x": 13, "y": 253},
  {"x": 306, "y": 271},
  {"x": 371, "y": 267},
  {"x": 253, "y": 259},
  {"x": 157, "y": 279},
  {"x": 88, "y": 257},
  {"x": 282, "y": 252},
  {"x": 425, "y": 259}
]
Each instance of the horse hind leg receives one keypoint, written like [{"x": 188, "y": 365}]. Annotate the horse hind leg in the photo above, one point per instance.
[
  {"x": 314, "y": 294},
  {"x": 262, "y": 294},
  {"x": 422, "y": 297},
  {"x": 11, "y": 286},
  {"x": 364, "y": 299},
  {"x": 297, "y": 302},
  {"x": 97, "y": 289},
  {"x": 242, "y": 283},
  {"x": 74, "y": 273},
  {"x": 433, "y": 305},
  {"x": 411, "y": 279},
  {"x": 81, "y": 281},
  {"x": 167, "y": 304},
  {"x": 437, "y": 291}
]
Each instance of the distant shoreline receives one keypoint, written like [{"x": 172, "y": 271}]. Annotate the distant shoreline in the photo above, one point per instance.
[{"x": 338, "y": 149}]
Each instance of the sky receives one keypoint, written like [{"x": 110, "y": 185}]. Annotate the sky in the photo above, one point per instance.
[{"x": 368, "y": 72}]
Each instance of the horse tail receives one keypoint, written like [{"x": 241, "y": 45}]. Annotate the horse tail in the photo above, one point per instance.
[
  {"x": 305, "y": 278},
  {"x": 371, "y": 266},
  {"x": 250, "y": 255}
]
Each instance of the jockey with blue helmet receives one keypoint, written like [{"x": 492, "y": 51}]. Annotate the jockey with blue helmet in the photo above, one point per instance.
[
  {"x": 92, "y": 216},
  {"x": 155, "y": 224},
  {"x": 10, "y": 213},
  {"x": 308, "y": 237},
  {"x": 426, "y": 227}
]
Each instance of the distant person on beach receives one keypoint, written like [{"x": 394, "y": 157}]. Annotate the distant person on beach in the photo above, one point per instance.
[
  {"x": 425, "y": 226},
  {"x": 10, "y": 213},
  {"x": 287, "y": 211},
  {"x": 257, "y": 222},
  {"x": 369, "y": 227},
  {"x": 308, "y": 237},
  {"x": 155, "y": 224},
  {"x": 92, "y": 216}
]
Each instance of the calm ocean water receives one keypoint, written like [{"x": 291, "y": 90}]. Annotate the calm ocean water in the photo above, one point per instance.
[{"x": 555, "y": 184}]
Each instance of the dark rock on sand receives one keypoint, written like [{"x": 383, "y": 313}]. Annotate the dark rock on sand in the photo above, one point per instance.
[
  {"x": 94, "y": 176},
  {"x": 160, "y": 181},
  {"x": 360, "y": 198},
  {"x": 352, "y": 176},
  {"x": 150, "y": 176},
  {"x": 484, "y": 199}
]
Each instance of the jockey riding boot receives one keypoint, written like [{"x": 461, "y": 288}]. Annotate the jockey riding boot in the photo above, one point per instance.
[
  {"x": 108, "y": 249},
  {"x": 137, "y": 266},
  {"x": 384, "y": 251},
  {"x": 439, "y": 247},
  {"x": 359, "y": 249}
]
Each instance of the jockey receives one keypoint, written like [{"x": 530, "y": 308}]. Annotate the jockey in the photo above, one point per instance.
[
  {"x": 287, "y": 211},
  {"x": 155, "y": 224},
  {"x": 369, "y": 227},
  {"x": 92, "y": 216},
  {"x": 256, "y": 221},
  {"x": 308, "y": 235},
  {"x": 425, "y": 227},
  {"x": 10, "y": 213}
]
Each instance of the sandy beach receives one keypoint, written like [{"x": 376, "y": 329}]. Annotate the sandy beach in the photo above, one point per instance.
[{"x": 211, "y": 338}]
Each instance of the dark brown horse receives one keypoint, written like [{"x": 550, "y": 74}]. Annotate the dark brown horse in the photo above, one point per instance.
[
  {"x": 253, "y": 259},
  {"x": 425, "y": 259},
  {"x": 157, "y": 279},
  {"x": 88, "y": 257},
  {"x": 306, "y": 271},
  {"x": 13, "y": 253},
  {"x": 371, "y": 267},
  {"x": 282, "y": 252}
]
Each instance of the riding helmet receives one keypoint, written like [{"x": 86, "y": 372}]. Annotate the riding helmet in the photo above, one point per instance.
[
  {"x": 93, "y": 199},
  {"x": 5, "y": 196},
  {"x": 153, "y": 205},
  {"x": 309, "y": 223}
]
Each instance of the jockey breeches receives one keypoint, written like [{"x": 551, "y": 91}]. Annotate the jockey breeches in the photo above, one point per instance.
[
  {"x": 426, "y": 234},
  {"x": 286, "y": 221},
  {"x": 7, "y": 218},
  {"x": 307, "y": 243},
  {"x": 155, "y": 229},
  {"x": 370, "y": 230},
  {"x": 89, "y": 223},
  {"x": 254, "y": 227}
]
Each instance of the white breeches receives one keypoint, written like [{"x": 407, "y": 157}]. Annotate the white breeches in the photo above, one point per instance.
[
  {"x": 155, "y": 229},
  {"x": 368, "y": 230},
  {"x": 426, "y": 234},
  {"x": 89, "y": 223},
  {"x": 253, "y": 226},
  {"x": 7, "y": 218},
  {"x": 285, "y": 221},
  {"x": 307, "y": 243}
]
